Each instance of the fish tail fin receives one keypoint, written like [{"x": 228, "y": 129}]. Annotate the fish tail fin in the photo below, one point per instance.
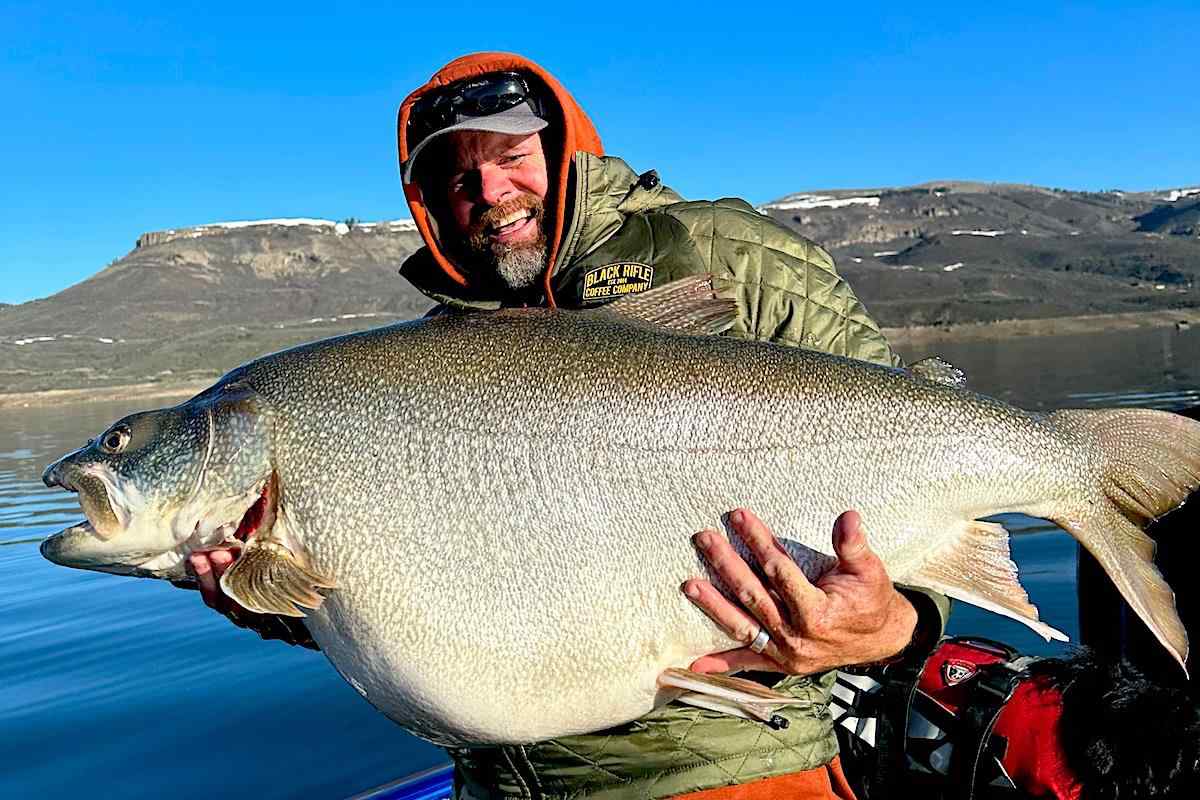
[{"x": 1150, "y": 463}]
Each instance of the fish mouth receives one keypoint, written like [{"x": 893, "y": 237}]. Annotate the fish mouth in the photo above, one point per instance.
[
  {"x": 70, "y": 548},
  {"x": 229, "y": 525},
  {"x": 95, "y": 488}
]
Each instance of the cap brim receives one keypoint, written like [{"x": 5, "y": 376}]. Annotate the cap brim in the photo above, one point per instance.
[{"x": 516, "y": 120}]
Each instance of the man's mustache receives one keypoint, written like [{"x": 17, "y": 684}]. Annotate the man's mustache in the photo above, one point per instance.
[{"x": 489, "y": 220}]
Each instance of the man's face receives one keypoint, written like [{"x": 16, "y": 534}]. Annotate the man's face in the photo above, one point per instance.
[{"x": 496, "y": 192}]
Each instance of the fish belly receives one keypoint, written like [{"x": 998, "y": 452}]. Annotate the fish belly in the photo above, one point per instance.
[{"x": 547, "y": 601}]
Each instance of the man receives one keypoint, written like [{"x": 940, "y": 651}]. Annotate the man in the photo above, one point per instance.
[
  {"x": 517, "y": 204},
  {"x": 509, "y": 187}
]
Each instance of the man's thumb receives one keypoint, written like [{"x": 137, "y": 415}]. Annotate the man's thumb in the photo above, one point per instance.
[{"x": 850, "y": 539}]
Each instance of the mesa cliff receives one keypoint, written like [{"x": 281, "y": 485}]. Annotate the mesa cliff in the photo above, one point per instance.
[{"x": 187, "y": 304}]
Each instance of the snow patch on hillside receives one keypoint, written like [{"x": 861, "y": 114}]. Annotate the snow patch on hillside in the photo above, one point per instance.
[
  {"x": 360, "y": 315},
  {"x": 342, "y": 228},
  {"x": 1179, "y": 194},
  {"x": 292, "y": 222},
  {"x": 992, "y": 234},
  {"x": 21, "y": 342},
  {"x": 805, "y": 201}
]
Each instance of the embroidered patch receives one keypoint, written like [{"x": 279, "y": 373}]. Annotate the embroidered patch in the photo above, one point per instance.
[
  {"x": 617, "y": 280},
  {"x": 955, "y": 672}
]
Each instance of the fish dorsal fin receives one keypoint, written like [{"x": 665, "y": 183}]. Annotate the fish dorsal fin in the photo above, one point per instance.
[
  {"x": 978, "y": 569},
  {"x": 938, "y": 370},
  {"x": 688, "y": 305}
]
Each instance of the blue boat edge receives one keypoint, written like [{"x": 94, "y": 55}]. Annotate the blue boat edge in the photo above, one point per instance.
[{"x": 435, "y": 783}]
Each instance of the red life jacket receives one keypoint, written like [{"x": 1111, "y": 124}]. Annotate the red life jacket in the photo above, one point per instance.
[{"x": 975, "y": 726}]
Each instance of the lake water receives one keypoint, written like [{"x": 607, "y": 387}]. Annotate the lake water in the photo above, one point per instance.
[{"x": 112, "y": 687}]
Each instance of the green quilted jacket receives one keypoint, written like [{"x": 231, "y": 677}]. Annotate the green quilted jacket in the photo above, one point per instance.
[
  {"x": 623, "y": 234},
  {"x": 627, "y": 232}
]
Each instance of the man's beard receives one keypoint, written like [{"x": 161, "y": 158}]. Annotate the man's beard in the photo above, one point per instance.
[{"x": 519, "y": 264}]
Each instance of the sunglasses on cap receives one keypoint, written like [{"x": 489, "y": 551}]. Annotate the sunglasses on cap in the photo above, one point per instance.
[{"x": 470, "y": 98}]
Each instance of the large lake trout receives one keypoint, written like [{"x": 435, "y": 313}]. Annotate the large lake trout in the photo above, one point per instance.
[{"x": 488, "y": 516}]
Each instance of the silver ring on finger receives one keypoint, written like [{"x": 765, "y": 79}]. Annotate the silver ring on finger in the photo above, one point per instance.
[{"x": 761, "y": 640}]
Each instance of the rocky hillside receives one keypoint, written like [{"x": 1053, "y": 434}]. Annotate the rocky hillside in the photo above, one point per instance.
[
  {"x": 194, "y": 302},
  {"x": 951, "y": 252}
]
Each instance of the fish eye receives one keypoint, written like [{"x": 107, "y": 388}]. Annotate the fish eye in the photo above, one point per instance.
[{"x": 115, "y": 440}]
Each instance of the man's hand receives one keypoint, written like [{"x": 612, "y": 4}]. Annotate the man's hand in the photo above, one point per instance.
[
  {"x": 851, "y": 615},
  {"x": 208, "y": 566}
]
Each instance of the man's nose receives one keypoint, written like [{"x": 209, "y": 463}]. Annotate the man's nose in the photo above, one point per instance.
[{"x": 494, "y": 185}]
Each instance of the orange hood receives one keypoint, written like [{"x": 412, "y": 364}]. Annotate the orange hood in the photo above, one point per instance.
[{"x": 575, "y": 129}]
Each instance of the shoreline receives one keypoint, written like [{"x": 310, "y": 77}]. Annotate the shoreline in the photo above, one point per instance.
[
  {"x": 1049, "y": 326},
  {"x": 911, "y": 335},
  {"x": 101, "y": 394}
]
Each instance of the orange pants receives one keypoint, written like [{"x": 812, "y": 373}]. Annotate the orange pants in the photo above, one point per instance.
[{"x": 823, "y": 783}]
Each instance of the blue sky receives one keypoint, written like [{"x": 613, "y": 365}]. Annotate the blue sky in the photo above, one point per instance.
[{"x": 120, "y": 118}]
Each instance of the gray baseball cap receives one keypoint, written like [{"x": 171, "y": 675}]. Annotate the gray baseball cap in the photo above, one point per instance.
[{"x": 520, "y": 119}]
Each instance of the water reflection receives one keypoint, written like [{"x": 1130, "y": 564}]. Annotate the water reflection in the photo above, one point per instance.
[
  {"x": 130, "y": 687},
  {"x": 1053, "y": 372}
]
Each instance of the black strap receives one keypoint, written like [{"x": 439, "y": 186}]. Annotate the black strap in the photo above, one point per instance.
[
  {"x": 898, "y": 686},
  {"x": 891, "y": 728},
  {"x": 990, "y": 689}
]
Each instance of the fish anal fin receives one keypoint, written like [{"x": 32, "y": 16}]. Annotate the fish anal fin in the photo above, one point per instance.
[
  {"x": 268, "y": 578},
  {"x": 687, "y": 305},
  {"x": 978, "y": 569}
]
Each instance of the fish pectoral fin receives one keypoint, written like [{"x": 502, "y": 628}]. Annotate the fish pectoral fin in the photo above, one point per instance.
[
  {"x": 978, "y": 569},
  {"x": 268, "y": 578},
  {"x": 734, "y": 696}
]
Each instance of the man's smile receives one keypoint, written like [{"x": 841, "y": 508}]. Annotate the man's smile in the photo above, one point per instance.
[{"x": 515, "y": 226}]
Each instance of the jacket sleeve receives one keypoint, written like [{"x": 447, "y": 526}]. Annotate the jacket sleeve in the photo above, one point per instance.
[
  {"x": 933, "y": 613},
  {"x": 786, "y": 287}
]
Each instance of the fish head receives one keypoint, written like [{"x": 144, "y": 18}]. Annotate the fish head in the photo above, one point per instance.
[{"x": 158, "y": 485}]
